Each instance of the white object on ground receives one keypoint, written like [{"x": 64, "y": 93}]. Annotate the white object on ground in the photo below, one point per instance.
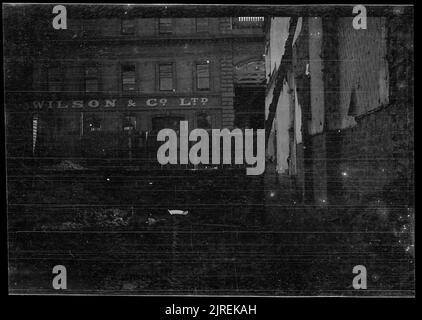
[{"x": 179, "y": 212}]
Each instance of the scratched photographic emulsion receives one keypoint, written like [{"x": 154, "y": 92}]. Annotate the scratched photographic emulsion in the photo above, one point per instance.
[{"x": 209, "y": 150}]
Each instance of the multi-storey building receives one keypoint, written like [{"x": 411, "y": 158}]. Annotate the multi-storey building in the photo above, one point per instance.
[{"x": 113, "y": 79}]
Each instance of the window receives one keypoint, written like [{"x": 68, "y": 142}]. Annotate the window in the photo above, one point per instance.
[
  {"x": 165, "y": 77},
  {"x": 170, "y": 122},
  {"x": 203, "y": 76},
  {"x": 203, "y": 121},
  {"x": 54, "y": 79},
  {"x": 202, "y": 25},
  {"x": 165, "y": 26},
  {"x": 93, "y": 122},
  {"x": 91, "y": 79},
  {"x": 129, "y": 122},
  {"x": 128, "y": 77},
  {"x": 89, "y": 28},
  {"x": 128, "y": 26}
]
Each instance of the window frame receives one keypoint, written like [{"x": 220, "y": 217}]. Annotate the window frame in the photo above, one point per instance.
[
  {"x": 178, "y": 116},
  {"x": 134, "y": 124},
  {"x": 122, "y": 29},
  {"x": 89, "y": 28},
  {"x": 209, "y": 114},
  {"x": 122, "y": 65},
  {"x": 207, "y": 27},
  {"x": 96, "y": 117},
  {"x": 173, "y": 75},
  {"x": 196, "y": 78},
  {"x": 160, "y": 32}
]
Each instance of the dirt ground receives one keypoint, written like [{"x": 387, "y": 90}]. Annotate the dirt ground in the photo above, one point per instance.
[{"x": 114, "y": 234}]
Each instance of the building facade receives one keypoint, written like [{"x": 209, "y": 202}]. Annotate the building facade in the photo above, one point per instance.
[{"x": 108, "y": 83}]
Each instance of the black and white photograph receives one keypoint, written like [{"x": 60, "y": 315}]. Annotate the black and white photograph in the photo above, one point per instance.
[{"x": 206, "y": 150}]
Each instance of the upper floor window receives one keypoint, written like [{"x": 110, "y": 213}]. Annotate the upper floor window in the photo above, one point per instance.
[
  {"x": 129, "y": 77},
  {"x": 165, "y": 25},
  {"x": 91, "y": 79},
  {"x": 165, "y": 75},
  {"x": 203, "y": 76},
  {"x": 89, "y": 28},
  {"x": 128, "y": 26},
  {"x": 54, "y": 79},
  {"x": 202, "y": 25}
]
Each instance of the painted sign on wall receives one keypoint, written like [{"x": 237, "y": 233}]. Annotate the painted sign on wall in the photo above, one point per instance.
[{"x": 122, "y": 103}]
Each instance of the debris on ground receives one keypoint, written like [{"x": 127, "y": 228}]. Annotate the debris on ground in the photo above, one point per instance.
[
  {"x": 178, "y": 212},
  {"x": 152, "y": 221},
  {"x": 91, "y": 218},
  {"x": 65, "y": 165}
]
